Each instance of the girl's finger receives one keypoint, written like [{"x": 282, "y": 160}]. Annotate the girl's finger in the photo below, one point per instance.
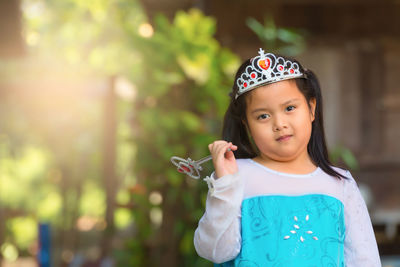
[
  {"x": 214, "y": 145},
  {"x": 229, "y": 152},
  {"x": 229, "y": 155},
  {"x": 234, "y": 148},
  {"x": 231, "y": 147},
  {"x": 221, "y": 148}
]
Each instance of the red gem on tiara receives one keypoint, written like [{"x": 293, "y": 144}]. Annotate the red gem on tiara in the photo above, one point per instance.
[
  {"x": 253, "y": 75},
  {"x": 291, "y": 71},
  {"x": 280, "y": 68},
  {"x": 265, "y": 63},
  {"x": 245, "y": 84}
]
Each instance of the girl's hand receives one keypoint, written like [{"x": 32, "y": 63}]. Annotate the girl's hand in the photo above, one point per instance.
[{"x": 223, "y": 159}]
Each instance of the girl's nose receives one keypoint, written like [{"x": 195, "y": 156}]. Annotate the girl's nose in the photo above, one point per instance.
[{"x": 279, "y": 124}]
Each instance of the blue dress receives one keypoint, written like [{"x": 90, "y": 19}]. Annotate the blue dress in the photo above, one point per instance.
[{"x": 285, "y": 231}]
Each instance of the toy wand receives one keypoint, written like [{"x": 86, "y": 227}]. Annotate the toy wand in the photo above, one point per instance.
[{"x": 189, "y": 166}]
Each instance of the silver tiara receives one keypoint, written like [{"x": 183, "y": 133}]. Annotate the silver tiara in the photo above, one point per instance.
[{"x": 265, "y": 69}]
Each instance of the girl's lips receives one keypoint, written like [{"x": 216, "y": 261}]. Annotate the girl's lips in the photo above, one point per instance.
[{"x": 283, "y": 138}]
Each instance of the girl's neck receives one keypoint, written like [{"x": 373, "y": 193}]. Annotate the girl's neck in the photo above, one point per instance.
[{"x": 303, "y": 165}]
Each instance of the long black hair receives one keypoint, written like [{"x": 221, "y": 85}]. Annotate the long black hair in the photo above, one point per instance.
[{"x": 235, "y": 131}]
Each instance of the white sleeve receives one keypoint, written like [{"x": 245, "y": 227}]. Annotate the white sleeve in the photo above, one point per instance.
[
  {"x": 360, "y": 248},
  {"x": 217, "y": 237}
]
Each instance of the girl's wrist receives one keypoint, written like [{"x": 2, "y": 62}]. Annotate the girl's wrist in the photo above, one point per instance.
[
  {"x": 219, "y": 175},
  {"x": 222, "y": 174}
]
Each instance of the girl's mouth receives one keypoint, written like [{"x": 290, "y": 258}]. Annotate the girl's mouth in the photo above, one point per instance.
[{"x": 284, "y": 138}]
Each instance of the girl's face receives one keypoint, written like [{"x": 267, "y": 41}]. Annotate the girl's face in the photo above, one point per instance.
[{"x": 280, "y": 120}]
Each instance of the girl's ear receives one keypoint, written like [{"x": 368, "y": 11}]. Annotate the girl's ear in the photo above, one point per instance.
[{"x": 312, "y": 103}]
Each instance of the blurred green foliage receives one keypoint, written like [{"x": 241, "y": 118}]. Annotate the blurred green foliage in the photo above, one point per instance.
[
  {"x": 181, "y": 77},
  {"x": 183, "y": 87},
  {"x": 51, "y": 154},
  {"x": 22, "y": 171}
]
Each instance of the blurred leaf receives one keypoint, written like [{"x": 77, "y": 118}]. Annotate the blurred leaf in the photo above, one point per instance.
[
  {"x": 24, "y": 230},
  {"x": 342, "y": 154},
  {"x": 194, "y": 25},
  {"x": 174, "y": 178},
  {"x": 49, "y": 207},
  {"x": 122, "y": 218},
  {"x": 9, "y": 251},
  {"x": 186, "y": 245},
  {"x": 229, "y": 62},
  {"x": 197, "y": 69},
  {"x": 188, "y": 200},
  {"x": 190, "y": 121},
  {"x": 279, "y": 40},
  {"x": 93, "y": 200}
]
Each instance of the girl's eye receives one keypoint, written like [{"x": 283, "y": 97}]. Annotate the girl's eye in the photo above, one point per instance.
[
  {"x": 290, "y": 108},
  {"x": 263, "y": 117}
]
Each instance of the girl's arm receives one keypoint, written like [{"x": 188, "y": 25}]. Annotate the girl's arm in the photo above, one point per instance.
[
  {"x": 360, "y": 248},
  {"x": 217, "y": 237}
]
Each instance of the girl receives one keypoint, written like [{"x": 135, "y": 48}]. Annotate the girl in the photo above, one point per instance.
[{"x": 276, "y": 200}]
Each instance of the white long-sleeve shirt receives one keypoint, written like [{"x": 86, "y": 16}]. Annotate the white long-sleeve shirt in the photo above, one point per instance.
[{"x": 262, "y": 216}]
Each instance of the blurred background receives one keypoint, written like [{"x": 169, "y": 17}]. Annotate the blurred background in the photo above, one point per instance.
[{"x": 96, "y": 96}]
